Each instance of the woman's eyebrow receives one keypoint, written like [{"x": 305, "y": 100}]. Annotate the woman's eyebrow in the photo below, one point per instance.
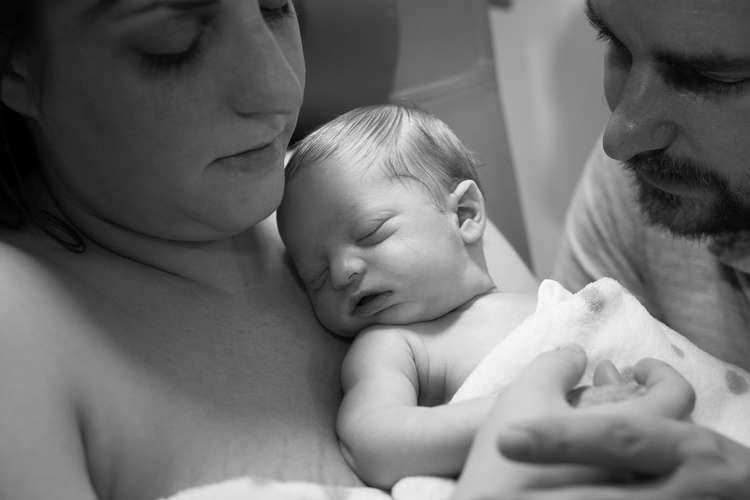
[{"x": 134, "y": 7}]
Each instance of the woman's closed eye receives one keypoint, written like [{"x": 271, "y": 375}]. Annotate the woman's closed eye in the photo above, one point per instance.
[{"x": 173, "y": 44}]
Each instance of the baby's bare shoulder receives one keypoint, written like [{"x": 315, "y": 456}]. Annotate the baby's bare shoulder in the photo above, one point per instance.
[{"x": 493, "y": 315}]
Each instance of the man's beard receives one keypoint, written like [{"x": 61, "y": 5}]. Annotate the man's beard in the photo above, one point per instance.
[{"x": 716, "y": 211}]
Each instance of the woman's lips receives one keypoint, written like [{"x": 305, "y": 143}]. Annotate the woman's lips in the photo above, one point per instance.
[
  {"x": 253, "y": 159},
  {"x": 372, "y": 303}
]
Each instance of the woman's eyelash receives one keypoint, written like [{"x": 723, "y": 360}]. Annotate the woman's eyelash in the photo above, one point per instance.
[
  {"x": 603, "y": 36},
  {"x": 172, "y": 62}
]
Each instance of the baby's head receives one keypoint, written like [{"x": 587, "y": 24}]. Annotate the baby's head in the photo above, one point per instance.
[{"x": 383, "y": 218}]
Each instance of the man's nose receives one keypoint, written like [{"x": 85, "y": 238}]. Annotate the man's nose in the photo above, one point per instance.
[
  {"x": 641, "y": 118},
  {"x": 346, "y": 269}
]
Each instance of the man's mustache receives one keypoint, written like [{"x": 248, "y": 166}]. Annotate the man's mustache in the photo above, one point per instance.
[{"x": 661, "y": 167}]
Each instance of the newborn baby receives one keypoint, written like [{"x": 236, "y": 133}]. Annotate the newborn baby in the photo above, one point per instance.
[{"x": 383, "y": 218}]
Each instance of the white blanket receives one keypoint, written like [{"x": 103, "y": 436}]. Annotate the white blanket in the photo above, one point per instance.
[{"x": 603, "y": 318}]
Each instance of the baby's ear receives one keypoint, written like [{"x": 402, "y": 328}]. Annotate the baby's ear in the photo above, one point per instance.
[
  {"x": 17, "y": 87},
  {"x": 467, "y": 202}
]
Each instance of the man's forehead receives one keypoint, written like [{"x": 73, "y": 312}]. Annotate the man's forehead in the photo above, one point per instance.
[{"x": 709, "y": 26}]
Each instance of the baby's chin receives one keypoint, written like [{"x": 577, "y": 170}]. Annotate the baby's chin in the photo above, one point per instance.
[
  {"x": 400, "y": 314},
  {"x": 348, "y": 328}
]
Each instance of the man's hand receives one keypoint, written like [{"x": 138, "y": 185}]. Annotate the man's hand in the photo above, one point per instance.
[
  {"x": 667, "y": 459},
  {"x": 541, "y": 392}
]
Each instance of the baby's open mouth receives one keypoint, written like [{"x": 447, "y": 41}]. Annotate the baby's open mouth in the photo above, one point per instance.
[
  {"x": 367, "y": 298},
  {"x": 371, "y": 303}
]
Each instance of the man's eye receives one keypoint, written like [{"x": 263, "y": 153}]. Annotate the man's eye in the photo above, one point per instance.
[{"x": 702, "y": 84}]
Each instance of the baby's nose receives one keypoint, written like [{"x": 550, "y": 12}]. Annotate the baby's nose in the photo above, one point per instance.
[{"x": 349, "y": 271}]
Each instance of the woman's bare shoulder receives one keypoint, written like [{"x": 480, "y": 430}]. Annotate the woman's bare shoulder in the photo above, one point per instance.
[
  {"x": 37, "y": 310},
  {"x": 42, "y": 449},
  {"x": 33, "y": 284}
]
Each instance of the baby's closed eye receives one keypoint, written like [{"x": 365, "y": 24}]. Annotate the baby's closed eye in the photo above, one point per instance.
[{"x": 375, "y": 232}]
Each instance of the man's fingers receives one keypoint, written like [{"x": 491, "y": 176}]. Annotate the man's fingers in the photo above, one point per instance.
[
  {"x": 552, "y": 373},
  {"x": 624, "y": 492},
  {"x": 638, "y": 444}
]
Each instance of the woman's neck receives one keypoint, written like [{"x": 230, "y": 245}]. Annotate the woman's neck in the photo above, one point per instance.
[{"x": 228, "y": 264}]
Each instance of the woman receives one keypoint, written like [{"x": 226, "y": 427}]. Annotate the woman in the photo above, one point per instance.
[
  {"x": 177, "y": 349},
  {"x": 154, "y": 338},
  {"x": 157, "y": 340}
]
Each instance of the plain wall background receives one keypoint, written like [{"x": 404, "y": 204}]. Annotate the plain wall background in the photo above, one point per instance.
[
  {"x": 446, "y": 65},
  {"x": 549, "y": 71}
]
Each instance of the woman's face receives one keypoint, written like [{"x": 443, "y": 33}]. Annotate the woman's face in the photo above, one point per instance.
[{"x": 170, "y": 117}]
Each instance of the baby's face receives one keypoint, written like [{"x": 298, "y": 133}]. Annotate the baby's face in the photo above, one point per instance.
[{"x": 370, "y": 249}]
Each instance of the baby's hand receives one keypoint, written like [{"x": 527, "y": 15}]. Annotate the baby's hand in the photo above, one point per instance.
[
  {"x": 610, "y": 386},
  {"x": 655, "y": 388},
  {"x": 592, "y": 395}
]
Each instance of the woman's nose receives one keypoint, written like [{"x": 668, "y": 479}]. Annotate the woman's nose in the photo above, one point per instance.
[
  {"x": 640, "y": 119},
  {"x": 346, "y": 270},
  {"x": 266, "y": 68}
]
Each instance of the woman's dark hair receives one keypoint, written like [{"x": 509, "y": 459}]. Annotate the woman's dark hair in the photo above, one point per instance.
[{"x": 18, "y": 157}]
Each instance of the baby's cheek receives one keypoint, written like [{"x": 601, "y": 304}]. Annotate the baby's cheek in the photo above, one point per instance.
[{"x": 584, "y": 396}]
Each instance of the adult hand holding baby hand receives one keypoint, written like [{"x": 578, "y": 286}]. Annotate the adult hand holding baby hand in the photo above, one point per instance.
[
  {"x": 667, "y": 459},
  {"x": 540, "y": 395}
]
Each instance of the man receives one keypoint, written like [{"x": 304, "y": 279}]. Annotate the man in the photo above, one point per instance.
[{"x": 667, "y": 212}]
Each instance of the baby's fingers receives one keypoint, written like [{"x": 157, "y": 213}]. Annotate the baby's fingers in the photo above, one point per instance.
[
  {"x": 668, "y": 393},
  {"x": 606, "y": 373}
]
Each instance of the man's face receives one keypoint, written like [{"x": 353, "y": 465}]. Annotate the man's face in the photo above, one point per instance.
[{"x": 677, "y": 80}]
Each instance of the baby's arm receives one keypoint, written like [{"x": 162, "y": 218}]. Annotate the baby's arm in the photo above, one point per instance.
[{"x": 385, "y": 434}]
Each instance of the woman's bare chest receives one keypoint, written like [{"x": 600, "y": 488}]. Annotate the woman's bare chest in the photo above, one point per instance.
[{"x": 193, "y": 393}]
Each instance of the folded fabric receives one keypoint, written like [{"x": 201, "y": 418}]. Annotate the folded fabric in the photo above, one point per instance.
[{"x": 609, "y": 323}]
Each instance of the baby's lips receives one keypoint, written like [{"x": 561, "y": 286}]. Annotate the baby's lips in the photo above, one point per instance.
[{"x": 372, "y": 303}]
